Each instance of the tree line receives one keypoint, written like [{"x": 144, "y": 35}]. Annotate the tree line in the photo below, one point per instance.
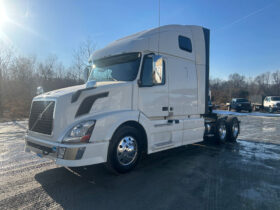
[
  {"x": 21, "y": 75},
  {"x": 239, "y": 86}
]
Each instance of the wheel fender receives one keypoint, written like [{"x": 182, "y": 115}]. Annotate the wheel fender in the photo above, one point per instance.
[{"x": 106, "y": 124}]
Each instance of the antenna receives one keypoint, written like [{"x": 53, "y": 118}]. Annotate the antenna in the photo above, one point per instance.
[{"x": 158, "y": 24}]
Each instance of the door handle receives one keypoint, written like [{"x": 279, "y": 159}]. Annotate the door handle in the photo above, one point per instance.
[{"x": 165, "y": 108}]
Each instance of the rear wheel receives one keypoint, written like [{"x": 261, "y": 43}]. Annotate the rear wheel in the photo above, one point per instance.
[
  {"x": 221, "y": 131},
  {"x": 124, "y": 150},
  {"x": 233, "y": 128}
]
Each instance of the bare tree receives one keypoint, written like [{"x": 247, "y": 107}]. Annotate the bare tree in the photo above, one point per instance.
[
  {"x": 82, "y": 55},
  {"x": 47, "y": 68},
  {"x": 276, "y": 81},
  {"x": 5, "y": 60}
]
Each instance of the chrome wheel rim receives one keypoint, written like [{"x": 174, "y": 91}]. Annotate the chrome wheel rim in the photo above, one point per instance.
[
  {"x": 235, "y": 129},
  {"x": 222, "y": 131},
  {"x": 127, "y": 150}
]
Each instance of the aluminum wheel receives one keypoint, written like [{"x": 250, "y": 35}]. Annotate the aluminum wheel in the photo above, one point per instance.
[
  {"x": 222, "y": 131},
  {"x": 235, "y": 129},
  {"x": 127, "y": 150}
]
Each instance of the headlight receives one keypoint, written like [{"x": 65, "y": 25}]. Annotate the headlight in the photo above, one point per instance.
[
  {"x": 80, "y": 133},
  {"x": 239, "y": 105}
]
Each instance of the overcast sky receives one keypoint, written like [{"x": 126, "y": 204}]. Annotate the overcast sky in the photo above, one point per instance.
[{"x": 245, "y": 34}]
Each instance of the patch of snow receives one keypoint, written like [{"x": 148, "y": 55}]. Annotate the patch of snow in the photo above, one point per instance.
[{"x": 257, "y": 114}]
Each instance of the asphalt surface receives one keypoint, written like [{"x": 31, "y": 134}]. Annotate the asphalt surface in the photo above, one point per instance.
[{"x": 243, "y": 175}]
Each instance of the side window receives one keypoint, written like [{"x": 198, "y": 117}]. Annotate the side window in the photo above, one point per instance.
[
  {"x": 147, "y": 71},
  {"x": 185, "y": 43},
  {"x": 151, "y": 75}
]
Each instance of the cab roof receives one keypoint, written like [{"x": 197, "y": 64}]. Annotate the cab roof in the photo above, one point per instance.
[{"x": 163, "y": 39}]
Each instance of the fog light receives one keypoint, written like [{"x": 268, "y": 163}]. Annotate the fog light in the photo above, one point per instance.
[
  {"x": 60, "y": 152},
  {"x": 80, "y": 153}
]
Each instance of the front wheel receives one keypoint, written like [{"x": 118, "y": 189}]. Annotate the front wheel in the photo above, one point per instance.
[{"x": 124, "y": 150}]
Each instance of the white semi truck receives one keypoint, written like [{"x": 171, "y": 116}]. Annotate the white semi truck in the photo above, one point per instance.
[{"x": 144, "y": 93}]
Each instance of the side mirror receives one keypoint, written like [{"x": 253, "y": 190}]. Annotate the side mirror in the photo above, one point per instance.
[
  {"x": 86, "y": 73},
  {"x": 158, "y": 74},
  {"x": 40, "y": 90}
]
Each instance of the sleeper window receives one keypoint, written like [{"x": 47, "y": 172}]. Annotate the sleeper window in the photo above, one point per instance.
[{"x": 185, "y": 43}]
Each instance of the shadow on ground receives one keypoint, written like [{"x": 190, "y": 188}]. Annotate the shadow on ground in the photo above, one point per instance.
[{"x": 244, "y": 175}]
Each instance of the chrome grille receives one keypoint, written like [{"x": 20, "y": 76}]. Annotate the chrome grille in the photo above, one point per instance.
[{"x": 41, "y": 117}]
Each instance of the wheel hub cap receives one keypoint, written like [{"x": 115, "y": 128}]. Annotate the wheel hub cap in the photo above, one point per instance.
[
  {"x": 222, "y": 131},
  {"x": 127, "y": 150},
  {"x": 235, "y": 129}
]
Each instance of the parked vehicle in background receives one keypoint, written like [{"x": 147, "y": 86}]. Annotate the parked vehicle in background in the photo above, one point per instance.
[
  {"x": 271, "y": 103},
  {"x": 257, "y": 102},
  {"x": 240, "y": 104}
]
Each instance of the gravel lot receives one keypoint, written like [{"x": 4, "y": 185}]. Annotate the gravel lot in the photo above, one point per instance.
[{"x": 244, "y": 175}]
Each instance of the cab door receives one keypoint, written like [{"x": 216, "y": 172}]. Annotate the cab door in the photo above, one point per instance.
[
  {"x": 153, "y": 102},
  {"x": 153, "y": 92}
]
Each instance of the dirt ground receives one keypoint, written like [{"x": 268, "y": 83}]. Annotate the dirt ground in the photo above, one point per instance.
[{"x": 242, "y": 175}]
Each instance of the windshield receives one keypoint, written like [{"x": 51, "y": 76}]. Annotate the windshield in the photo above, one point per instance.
[
  {"x": 276, "y": 98},
  {"x": 241, "y": 100},
  {"x": 116, "y": 68}
]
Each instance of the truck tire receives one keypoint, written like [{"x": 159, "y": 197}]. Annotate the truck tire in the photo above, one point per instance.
[
  {"x": 124, "y": 150},
  {"x": 221, "y": 131},
  {"x": 233, "y": 129}
]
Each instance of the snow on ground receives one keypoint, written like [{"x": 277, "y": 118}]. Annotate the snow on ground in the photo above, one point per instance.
[
  {"x": 241, "y": 175},
  {"x": 258, "y": 114}
]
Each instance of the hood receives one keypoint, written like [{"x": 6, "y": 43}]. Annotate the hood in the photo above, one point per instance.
[
  {"x": 77, "y": 103},
  {"x": 70, "y": 90}
]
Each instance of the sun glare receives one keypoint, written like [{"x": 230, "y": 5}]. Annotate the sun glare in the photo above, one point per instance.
[{"x": 3, "y": 16}]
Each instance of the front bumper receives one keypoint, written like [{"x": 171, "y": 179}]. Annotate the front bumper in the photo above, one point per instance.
[
  {"x": 70, "y": 155},
  {"x": 246, "y": 108}
]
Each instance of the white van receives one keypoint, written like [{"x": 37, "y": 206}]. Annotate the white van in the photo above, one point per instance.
[{"x": 144, "y": 93}]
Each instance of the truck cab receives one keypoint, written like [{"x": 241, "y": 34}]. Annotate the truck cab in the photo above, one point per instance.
[
  {"x": 272, "y": 103},
  {"x": 144, "y": 93}
]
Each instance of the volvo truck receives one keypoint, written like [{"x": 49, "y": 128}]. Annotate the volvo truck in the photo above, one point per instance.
[{"x": 144, "y": 93}]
